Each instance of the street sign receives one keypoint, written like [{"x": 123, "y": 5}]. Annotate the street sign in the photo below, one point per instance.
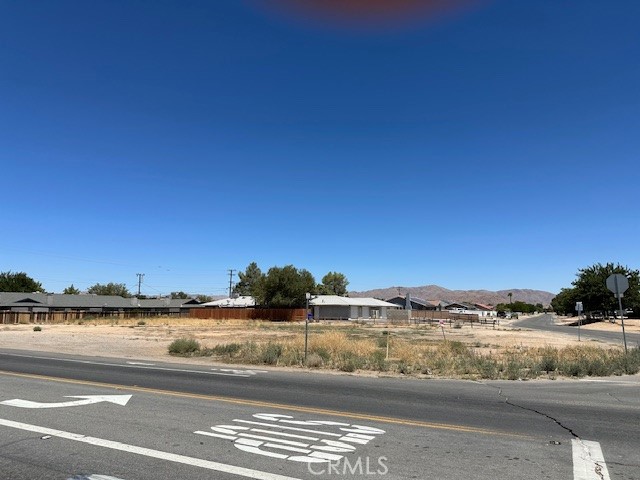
[
  {"x": 578, "y": 307},
  {"x": 618, "y": 284}
]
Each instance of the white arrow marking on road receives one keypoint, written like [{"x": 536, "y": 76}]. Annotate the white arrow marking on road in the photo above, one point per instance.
[
  {"x": 588, "y": 461},
  {"x": 86, "y": 400}
]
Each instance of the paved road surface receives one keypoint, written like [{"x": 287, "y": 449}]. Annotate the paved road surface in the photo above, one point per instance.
[
  {"x": 215, "y": 422},
  {"x": 546, "y": 322}
]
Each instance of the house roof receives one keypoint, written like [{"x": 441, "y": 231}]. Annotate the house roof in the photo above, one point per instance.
[
  {"x": 484, "y": 307},
  {"x": 60, "y": 300},
  {"x": 413, "y": 299},
  {"x": 242, "y": 301},
  {"x": 349, "y": 301}
]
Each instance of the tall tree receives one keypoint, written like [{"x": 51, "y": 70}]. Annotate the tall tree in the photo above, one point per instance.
[
  {"x": 334, "y": 283},
  {"x": 250, "y": 280},
  {"x": 18, "y": 282},
  {"x": 119, "y": 289},
  {"x": 592, "y": 291},
  {"x": 564, "y": 302},
  {"x": 285, "y": 287},
  {"x": 71, "y": 290}
]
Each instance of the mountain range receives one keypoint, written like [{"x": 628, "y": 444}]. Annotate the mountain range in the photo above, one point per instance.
[{"x": 486, "y": 297}]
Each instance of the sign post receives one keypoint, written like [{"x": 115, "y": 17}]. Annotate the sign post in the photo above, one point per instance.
[
  {"x": 306, "y": 327},
  {"x": 579, "y": 310},
  {"x": 618, "y": 284}
]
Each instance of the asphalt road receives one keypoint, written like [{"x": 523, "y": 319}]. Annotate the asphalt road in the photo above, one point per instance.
[
  {"x": 215, "y": 422},
  {"x": 546, "y": 322}
]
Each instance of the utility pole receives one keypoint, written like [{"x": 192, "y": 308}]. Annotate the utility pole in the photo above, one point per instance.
[
  {"x": 140, "y": 277},
  {"x": 231, "y": 272}
]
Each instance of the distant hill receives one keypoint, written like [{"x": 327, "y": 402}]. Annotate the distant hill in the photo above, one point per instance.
[{"x": 487, "y": 297}]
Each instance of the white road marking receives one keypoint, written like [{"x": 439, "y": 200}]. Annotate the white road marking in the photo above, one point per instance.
[
  {"x": 93, "y": 477},
  {"x": 262, "y": 441},
  {"x": 139, "y": 366},
  {"x": 86, "y": 400},
  {"x": 147, "y": 452},
  {"x": 588, "y": 461},
  {"x": 142, "y": 363},
  {"x": 317, "y": 432}
]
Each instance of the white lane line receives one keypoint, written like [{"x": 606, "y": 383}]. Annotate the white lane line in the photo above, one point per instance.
[
  {"x": 588, "y": 461},
  {"x": 141, "y": 363},
  {"x": 147, "y": 452},
  {"x": 123, "y": 365}
]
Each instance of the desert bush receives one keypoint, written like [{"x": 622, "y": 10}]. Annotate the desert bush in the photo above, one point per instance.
[
  {"x": 349, "y": 362},
  {"x": 184, "y": 347},
  {"x": 271, "y": 353},
  {"x": 378, "y": 361},
  {"x": 228, "y": 349},
  {"x": 314, "y": 360},
  {"x": 548, "y": 360},
  {"x": 37, "y": 328}
]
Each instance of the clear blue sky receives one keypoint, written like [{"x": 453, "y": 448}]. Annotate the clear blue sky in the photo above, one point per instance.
[{"x": 493, "y": 147}]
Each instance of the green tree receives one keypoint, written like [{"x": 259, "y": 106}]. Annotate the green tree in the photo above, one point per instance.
[
  {"x": 592, "y": 291},
  {"x": 204, "y": 298},
  {"x": 179, "y": 294},
  {"x": 285, "y": 287},
  {"x": 250, "y": 281},
  {"x": 18, "y": 282},
  {"x": 119, "y": 289},
  {"x": 564, "y": 303},
  {"x": 518, "y": 306},
  {"x": 71, "y": 290},
  {"x": 334, "y": 283}
]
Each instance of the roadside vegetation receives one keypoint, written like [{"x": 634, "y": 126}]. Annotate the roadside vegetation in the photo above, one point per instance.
[{"x": 350, "y": 351}]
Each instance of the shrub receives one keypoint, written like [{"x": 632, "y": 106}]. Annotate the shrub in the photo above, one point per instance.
[
  {"x": 379, "y": 361},
  {"x": 226, "y": 349},
  {"x": 314, "y": 360},
  {"x": 549, "y": 360},
  {"x": 323, "y": 353},
  {"x": 487, "y": 367},
  {"x": 349, "y": 362},
  {"x": 37, "y": 328},
  {"x": 184, "y": 347},
  {"x": 140, "y": 323},
  {"x": 271, "y": 353}
]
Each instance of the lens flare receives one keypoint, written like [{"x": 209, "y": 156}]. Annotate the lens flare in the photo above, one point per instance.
[{"x": 370, "y": 13}]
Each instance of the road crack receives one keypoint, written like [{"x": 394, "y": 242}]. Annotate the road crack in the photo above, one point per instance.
[
  {"x": 587, "y": 453},
  {"x": 537, "y": 412}
]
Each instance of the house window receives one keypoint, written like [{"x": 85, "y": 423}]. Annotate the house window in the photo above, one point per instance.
[{"x": 359, "y": 312}]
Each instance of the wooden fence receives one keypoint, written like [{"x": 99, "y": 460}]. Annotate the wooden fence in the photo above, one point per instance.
[{"x": 268, "y": 314}]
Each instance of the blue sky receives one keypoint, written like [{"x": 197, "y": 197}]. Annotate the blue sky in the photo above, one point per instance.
[{"x": 494, "y": 147}]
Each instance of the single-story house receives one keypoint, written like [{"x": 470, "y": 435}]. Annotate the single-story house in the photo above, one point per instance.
[
  {"x": 416, "y": 303},
  {"x": 471, "y": 308},
  {"x": 237, "y": 302},
  {"x": 335, "y": 307},
  {"x": 61, "y": 307}
]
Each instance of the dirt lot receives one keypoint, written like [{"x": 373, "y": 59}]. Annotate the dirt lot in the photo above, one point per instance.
[{"x": 127, "y": 339}]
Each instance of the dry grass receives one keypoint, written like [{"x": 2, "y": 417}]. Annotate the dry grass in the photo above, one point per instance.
[
  {"x": 478, "y": 352},
  {"x": 341, "y": 351}
]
